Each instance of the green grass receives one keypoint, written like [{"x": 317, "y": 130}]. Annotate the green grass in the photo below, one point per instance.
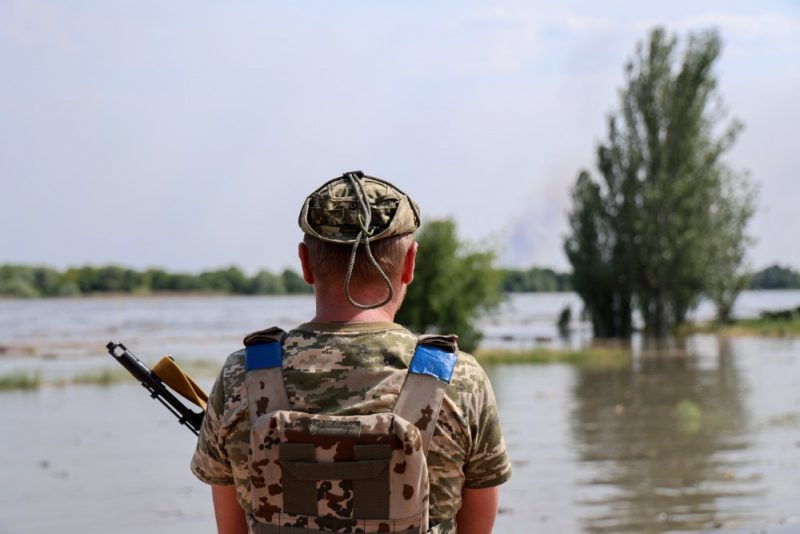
[
  {"x": 595, "y": 357},
  {"x": 201, "y": 368},
  {"x": 20, "y": 381},
  {"x": 103, "y": 377},
  {"x": 747, "y": 327},
  {"x": 197, "y": 369}
]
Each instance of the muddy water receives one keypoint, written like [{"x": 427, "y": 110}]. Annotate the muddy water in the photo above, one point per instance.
[
  {"x": 705, "y": 437},
  {"x": 692, "y": 437}
]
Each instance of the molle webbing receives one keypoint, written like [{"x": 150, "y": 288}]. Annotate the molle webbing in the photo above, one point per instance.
[
  {"x": 299, "y": 495},
  {"x": 369, "y": 473},
  {"x": 266, "y": 390},
  {"x": 371, "y": 495},
  {"x": 267, "y": 528},
  {"x": 426, "y": 381}
]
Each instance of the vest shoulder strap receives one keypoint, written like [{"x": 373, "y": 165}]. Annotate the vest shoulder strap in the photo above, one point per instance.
[
  {"x": 266, "y": 390},
  {"x": 267, "y": 335},
  {"x": 428, "y": 376}
]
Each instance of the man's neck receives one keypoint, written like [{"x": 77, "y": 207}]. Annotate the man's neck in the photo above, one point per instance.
[
  {"x": 347, "y": 313},
  {"x": 335, "y": 308}
]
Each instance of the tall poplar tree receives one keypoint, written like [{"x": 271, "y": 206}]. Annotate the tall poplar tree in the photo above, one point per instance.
[{"x": 672, "y": 215}]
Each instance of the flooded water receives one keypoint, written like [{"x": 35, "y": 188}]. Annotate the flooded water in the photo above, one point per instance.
[
  {"x": 698, "y": 440},
  {"x": 701, "y": 435}
]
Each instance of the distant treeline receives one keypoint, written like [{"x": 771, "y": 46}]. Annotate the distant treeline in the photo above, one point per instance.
[
  {"x": 538, "y": 279},
  {"x": 535, "y": 279},
  {"x": 32, "y": 281},
  {"x": 775, "y": 277},
  {"x": 28, "y": 281}
]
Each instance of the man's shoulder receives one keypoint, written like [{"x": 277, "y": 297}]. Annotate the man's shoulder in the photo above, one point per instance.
[
  {"x": 234, "y": 362},
  {"x": 231, "y": 376},
  {"x": 468, "y": 376},
  {"x": 356, "y": 339},
  {"x": 378, "y": 330}
]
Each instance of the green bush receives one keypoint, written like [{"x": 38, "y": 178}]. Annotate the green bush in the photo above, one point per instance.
[
  {"x": 454, "y": 284},
  {"x": 294, "y": 283}
]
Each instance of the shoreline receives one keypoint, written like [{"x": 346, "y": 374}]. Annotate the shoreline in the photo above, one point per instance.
[
  {"x": 769, "y": 328},
  {"x": 154, "y": 295},
  {"x": 158, "y": 294}
]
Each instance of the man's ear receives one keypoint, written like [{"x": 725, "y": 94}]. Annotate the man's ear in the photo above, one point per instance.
[
  {"x": 308, "y": 275},
  {"x": 409, "y": 262}
]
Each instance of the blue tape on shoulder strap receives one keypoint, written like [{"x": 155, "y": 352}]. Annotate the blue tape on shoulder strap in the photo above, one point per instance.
[
  {"x": 433, "y": 361},
  {"x": 263, "y": 356}
]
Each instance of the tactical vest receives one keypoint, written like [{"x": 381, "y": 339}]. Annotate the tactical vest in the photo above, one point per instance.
[{"x": 322, "y": 474}]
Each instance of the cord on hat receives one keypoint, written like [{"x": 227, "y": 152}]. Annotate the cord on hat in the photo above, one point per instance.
[{"x": 363, "y": 234}]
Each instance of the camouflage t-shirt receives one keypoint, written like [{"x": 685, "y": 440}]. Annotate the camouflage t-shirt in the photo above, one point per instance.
[{"x": 351, "y": 369}]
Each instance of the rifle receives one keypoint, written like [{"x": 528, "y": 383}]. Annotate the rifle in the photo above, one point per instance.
[{"x": 173, "y": 376}]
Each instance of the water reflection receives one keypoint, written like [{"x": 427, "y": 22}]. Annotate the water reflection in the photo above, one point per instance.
[{"x": 664, "y": 442}]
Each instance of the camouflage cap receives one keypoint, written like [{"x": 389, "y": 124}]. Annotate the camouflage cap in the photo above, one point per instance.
[{"x": 334, "y": 212}]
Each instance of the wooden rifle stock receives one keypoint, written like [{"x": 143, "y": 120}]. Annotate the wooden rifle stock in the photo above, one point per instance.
[{"x": 158, "y": 390}]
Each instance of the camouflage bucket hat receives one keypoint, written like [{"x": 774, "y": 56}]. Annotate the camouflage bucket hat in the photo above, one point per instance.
[
  {"x": 335, "y": 211},
  {"x": 355, "y": 209}
]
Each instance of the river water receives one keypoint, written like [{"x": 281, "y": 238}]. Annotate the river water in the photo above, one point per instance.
[{"x": 701, "y": 434}]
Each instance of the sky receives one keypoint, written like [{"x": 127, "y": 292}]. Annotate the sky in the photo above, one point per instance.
[{"x": 186, "y": 134}]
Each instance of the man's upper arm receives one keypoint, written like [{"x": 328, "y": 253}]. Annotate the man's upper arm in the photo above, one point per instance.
[
  {"x": 230, "y": 517},
  {"x": 210, "y": 461},
  {"x": 478, "y": 510},
  {"x": 487, "y": 463}
]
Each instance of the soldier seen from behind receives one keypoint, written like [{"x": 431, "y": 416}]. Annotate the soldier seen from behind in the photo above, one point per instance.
[{"x": 350, "y": 423}]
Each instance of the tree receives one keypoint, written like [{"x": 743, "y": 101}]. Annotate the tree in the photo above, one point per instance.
[
  {"x": 294, "y": 283},
  {"x": 453, "y": 284},
  {"x": 229, "y": 280},
  {"x": 535, "y": 279},
  {"x": 591, "y": 250},
  {"x": 267, "y": 283},
  {"x": 775, "y": 277},
  {"x": 666, "y": 224},
  {"x": 725, "y": 278},
  {"x": 18, "y": 281}
]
